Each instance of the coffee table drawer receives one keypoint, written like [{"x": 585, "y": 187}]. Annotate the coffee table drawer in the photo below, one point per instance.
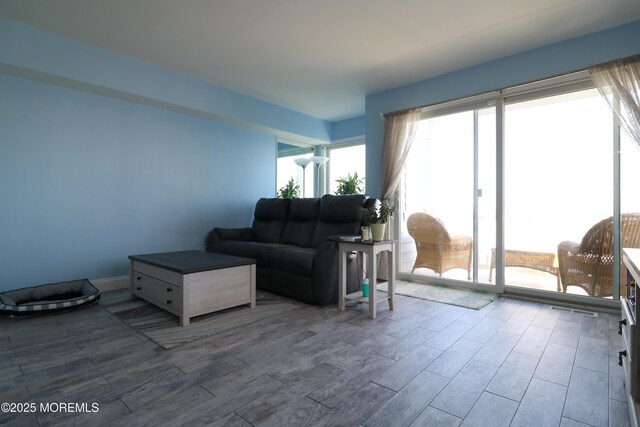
[
  {"x": 157, "y": 272},
  {"x": 163, "y": 293}
]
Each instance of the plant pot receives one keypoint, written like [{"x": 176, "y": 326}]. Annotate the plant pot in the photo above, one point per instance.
[{"x": 377, "y": 232}]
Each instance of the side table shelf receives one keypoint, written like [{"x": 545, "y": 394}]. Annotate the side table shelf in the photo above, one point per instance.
[{"x": 357, "y": 296}]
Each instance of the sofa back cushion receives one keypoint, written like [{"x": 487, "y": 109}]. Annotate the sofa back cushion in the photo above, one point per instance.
[
  {"x": 339, "y": 215},
  {"x": 269, "y": 218},
  {"x": 301, "y": 222}
]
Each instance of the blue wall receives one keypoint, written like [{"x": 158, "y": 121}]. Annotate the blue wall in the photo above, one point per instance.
[
  {"x": 103, "y": 156},
  {"x": 548, "y": 61},
  {"x": 86, "y": 180},
  {"x": 348, "y": 129},
  {"x": 38, "y": 54}
]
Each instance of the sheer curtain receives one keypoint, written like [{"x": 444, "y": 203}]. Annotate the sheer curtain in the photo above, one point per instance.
[
  {"x": 399, "y": 131},
  {"x": 622, "y": 79}
]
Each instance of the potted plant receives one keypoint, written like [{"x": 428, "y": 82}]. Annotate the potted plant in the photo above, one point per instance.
[
  {"x": 350, "y": 185},
  {"x": 289, "y": 191},
  {"x": 377, "y": 217}
]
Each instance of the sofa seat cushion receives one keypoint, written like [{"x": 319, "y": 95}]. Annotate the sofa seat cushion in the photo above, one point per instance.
[
  {"x": 261, "y": 252},
  {"x": 293, "y": 260}
]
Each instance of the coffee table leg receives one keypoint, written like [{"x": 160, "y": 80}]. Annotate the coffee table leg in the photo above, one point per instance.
[{"x": 252, "y": 304}]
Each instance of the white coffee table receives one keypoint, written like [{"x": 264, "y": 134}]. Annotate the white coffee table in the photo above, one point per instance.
[{"x": 192, "y": 283}]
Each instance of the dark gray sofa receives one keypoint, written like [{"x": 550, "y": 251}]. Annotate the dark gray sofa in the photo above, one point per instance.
[{"x": 295, "y": 243}]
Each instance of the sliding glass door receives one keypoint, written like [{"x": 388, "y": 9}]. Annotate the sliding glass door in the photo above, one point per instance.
[
  {"x": 558, "y": 190},
  {"x": 533, "y": 189},
  {"x": 447, "y": 210}
]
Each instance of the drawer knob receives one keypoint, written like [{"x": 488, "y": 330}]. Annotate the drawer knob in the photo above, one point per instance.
[
  {"x": 138, "y": 278},
  {"x": 169, "y": 290},
  {"x": 621, "y": 354},
  {"x": 168, "y": 301},
  {"x": 139, "y": 288},
  {"x": 620, "y": 323}
]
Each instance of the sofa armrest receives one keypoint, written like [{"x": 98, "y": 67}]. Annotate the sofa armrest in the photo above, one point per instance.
[
  {"x": 325, "y": 272},
  {"x": 243, "y": 234},
  {"x": 218, "y": 234}
]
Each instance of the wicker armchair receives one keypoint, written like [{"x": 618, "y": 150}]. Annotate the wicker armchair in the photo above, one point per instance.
[
  {"x": 435, "y": 248},
  {"x": 589, "y": 265}
]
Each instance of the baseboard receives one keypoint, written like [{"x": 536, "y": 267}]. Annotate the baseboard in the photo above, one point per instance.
[{"x": 111, "y": 283}]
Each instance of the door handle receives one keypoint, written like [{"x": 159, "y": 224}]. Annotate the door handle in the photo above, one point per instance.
[{"x": 621, "y": 354}]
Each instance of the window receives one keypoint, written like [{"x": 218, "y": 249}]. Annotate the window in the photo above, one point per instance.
[
  {"x": 286, "y": 168},
  {"x": 345, "y": 160}
]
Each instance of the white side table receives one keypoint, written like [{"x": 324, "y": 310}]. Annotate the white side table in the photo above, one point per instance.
[{"x": 370, "y": 249}]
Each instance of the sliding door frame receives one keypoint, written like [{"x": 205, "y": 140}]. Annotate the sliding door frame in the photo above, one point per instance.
[{"x": 554, "y": 86}]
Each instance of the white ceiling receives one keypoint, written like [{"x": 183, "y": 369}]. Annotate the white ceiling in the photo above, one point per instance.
[{"x": 319, "y": 57}]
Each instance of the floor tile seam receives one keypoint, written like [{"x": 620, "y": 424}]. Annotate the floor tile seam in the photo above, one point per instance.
[
  {"x": 594, "y": 370},
  {"x": 504, "y": 397},
  {"x": 590, "y": 348},
  {"x": 389, "y": 388},
  {"x": 617, "y": 400},
  {"x": 512, "y": 334},
  {"x": 24, "y": 377},
  {"x": 550, "y": 381},
  {"x": 126, "y": 406},
  {"x": 472, "y": 323},
  {"x": 320, "y": 403},
  {"x": 347, "y": 396},
  {"x": 441, "y": 410},
  {"x": 449, "y": 380},
  {"x": 527, "y": 354},
  {"x": 426, "y": 406},
  {"x": 578, "y": 421},
  {"x": 525, "y": 390},
  {"x": 246, "y": 420},
  {"x": 461, "y": 368},
  {"x": 476, "y": 340},
  {"x": 118, "y": 319},
  {"x": 567, "y": 396},
  {"x": 391, "y": 359},
  {"x": 206, "y": 391},
  {"x": 591, "y": 370}
]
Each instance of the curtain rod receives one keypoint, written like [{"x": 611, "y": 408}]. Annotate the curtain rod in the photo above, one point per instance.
[
  {"x": 497, "y": 90},
  {"x": 617, "y": 62},
  {"x": 613, "y": 62}
]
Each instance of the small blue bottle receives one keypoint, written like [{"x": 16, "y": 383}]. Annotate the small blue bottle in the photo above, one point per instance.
[{"x": 365, "y": 287}]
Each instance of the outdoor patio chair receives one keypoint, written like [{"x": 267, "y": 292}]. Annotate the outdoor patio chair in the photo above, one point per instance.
[
  {"x": 589, "y": 265},
  {"x": 435, "y": 248}
]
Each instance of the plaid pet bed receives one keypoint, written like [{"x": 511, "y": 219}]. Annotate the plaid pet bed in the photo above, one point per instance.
[{"x": 49, "y": 298}]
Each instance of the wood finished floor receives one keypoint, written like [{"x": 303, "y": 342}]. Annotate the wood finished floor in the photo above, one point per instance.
[{"x": 512, "y": 363}]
